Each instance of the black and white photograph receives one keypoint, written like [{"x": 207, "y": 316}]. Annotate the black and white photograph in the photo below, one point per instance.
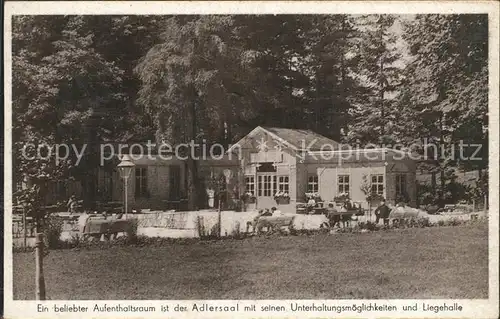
[{"x": 321, "y": 156}]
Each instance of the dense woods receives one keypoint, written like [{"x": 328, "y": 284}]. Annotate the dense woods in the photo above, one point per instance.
[{"x": 356, "y": 79}]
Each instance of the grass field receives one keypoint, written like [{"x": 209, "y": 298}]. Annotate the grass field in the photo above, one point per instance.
[{"x": 444, "y": 262}]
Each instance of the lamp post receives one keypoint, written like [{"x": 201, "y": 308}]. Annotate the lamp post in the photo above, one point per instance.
[
  {"x": 227, "y": 174},
  {"x": 125, "y": 168}
]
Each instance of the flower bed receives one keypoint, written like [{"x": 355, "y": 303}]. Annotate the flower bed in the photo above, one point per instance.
[
  {"x": 282, "y": 198},
  {"x": 374, "y": 198},
  {"x": 315, "y": 196},
  {"x": 248, "y": 198},
  {"x": 342, "y": 198}
]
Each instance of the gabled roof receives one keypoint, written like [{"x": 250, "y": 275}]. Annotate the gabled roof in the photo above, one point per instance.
[
  {"x": 297, "y": 139},
  {"x": 303, "y": 139}
]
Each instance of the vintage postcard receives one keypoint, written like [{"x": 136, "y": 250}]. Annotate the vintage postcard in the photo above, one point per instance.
[{"x": 251, "y": 159}]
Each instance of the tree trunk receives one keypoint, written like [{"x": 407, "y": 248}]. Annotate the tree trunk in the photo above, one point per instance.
[
  {"x": 382, "y": 91},
  {"x": 39, "y": 278},
  {"x": 91, "y": 163},
  {"x": 192, "y": 184},
  {"x": 192, "y": 164},
  {"x": 343, "y": 91},
  {"x": 441, "y": 166}
]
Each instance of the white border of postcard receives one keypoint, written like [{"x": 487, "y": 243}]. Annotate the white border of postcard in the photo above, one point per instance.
[{"x": 471, "y": 308}]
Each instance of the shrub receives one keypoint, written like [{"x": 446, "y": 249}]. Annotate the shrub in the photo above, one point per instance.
[
  {"x": 200, "y": 227},
  {"x": 454, "y": 222},
  {"x": 451, "y": 222},
  {"x": 386, "y": 227},
  {"x": 214, "y": 232},
  {"x": 132, "y": 232},
  {"x": 371, "y": 226},
  {"x": 74, "y": 242},
  {"x": 236, "y": 233},
  {"x": 423, "y": 222},
  {"x": 52, "y": 231},
  {"x": 347, "y": 230},
  {"x": 306, "y": 232}
]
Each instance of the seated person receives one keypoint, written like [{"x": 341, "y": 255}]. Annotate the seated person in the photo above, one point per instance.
[
  {"x": 311, "y": 202},
  {"x": 348, "y": 205},
  {"x": 343, "y": 208},
  {"x": 276, "y": 212},
  {"x": 267, "y": 213},
  {"x": 254, "y": 221},
  {"x": 261, "y": 212}
]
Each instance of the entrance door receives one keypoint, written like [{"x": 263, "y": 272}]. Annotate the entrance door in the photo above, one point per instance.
[{"x": 266, "y": 188}]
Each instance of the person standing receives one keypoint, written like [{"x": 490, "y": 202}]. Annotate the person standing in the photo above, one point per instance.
[
  {"x": 82, "y": 221},
  {"x": 72, "y": 204},
  {"x": 382, "y": 212}
]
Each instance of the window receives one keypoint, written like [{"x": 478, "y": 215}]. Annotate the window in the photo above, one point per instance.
[
  {"x": 312, "y": 184},
  {"x": 378, "y": 184},
  {"x": 250, "y": 184},
  {"x": 141, "y": 182},
  {"x": 283, "y": 184},
  {"x": 343, "y": 182},
  {"x": 261, "y": 187},
  {"x": 400, "y": 184},
  {"x": 268, "y": 191},
  {"x": 267, "y": 185}
]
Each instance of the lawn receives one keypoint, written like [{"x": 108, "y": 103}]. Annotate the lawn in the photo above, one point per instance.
[{"x": 438, "y": 262}]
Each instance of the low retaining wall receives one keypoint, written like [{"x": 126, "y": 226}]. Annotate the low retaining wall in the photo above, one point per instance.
[
  {"x": 462, "y": 217},
  {"x": 185, "y": 224}
]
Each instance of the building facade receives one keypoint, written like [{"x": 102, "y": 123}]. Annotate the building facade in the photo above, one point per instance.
[
  {"x": 267, "y": 162},
  {"x": 300, "y": 162}
]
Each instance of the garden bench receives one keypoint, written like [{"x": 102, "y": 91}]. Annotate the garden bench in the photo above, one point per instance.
[
  {"x": 336, "y": 216},
  {"x": 96, "y": 227},
  {"x": 271, "y": 223}
]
